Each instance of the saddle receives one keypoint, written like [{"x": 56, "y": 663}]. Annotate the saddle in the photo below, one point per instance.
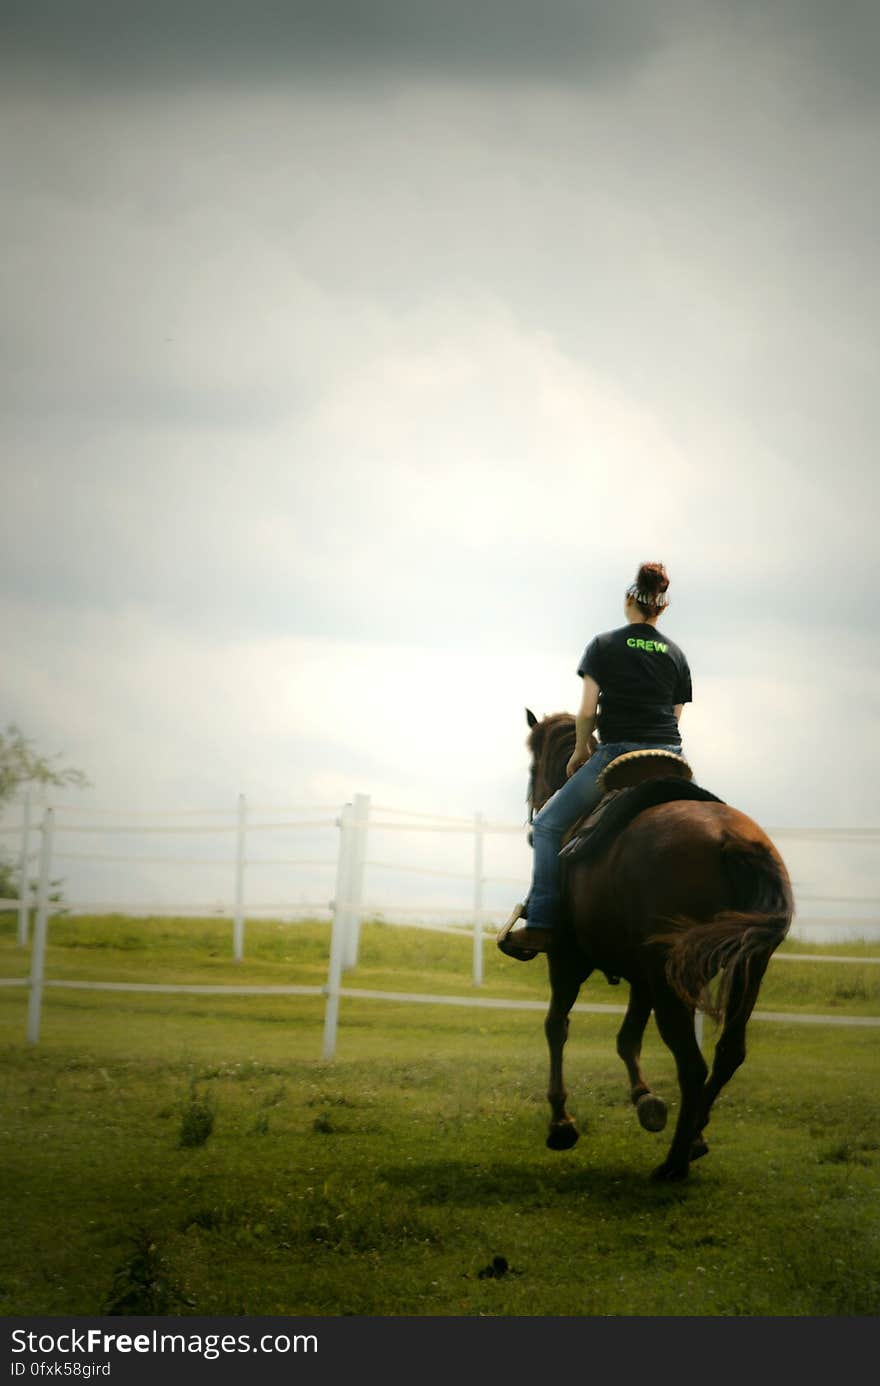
[{"x": 631, "y": 783}]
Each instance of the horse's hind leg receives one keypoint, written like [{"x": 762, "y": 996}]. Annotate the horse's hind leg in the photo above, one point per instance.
[
  {"x": 730, "y": 1051},
  {"x": 675, "y": 1022},
  {"x": 650, "y": 1109},
  {"x": 566, "y": 978}
]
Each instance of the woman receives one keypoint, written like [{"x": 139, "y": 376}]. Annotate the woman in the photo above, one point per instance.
[{"x": 635, "y": 684}]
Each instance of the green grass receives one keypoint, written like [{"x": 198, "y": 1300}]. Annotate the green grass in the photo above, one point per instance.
[
  {"x": 193, "y": 1155},
  {"x": 121, "y": 948}
]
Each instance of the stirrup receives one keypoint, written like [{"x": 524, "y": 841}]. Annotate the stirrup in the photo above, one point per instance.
[{"x": 511, "y": 950}]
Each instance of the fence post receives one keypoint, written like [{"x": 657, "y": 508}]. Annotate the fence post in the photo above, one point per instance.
[
  {"x": 355, "y": 883},
  {"x": 38, "y": 955},
  {"x": 337, "y": 934},
  {"x": 698, "y": 1028},
  {"x": 238, "y": 925},
  {"x": 478, "y": 900},
  {"x": 24, "y": 885}
]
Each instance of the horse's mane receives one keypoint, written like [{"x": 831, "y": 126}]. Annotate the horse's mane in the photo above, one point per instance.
[{"x": 551, "y": 743}]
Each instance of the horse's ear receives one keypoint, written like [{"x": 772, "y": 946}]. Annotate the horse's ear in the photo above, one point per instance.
[{"x": 531, "y": 718}]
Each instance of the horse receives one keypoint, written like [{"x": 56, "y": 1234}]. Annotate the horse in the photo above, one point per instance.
[{"x": 684, "y": 890}]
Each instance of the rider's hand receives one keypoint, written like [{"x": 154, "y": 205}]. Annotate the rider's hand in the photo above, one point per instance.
[{"x": 578, "y": 759}]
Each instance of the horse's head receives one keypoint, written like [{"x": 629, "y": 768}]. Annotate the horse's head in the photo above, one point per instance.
[{"x": 550, "y": 742}]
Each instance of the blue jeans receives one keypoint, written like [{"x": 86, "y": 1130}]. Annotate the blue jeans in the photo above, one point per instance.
[{"x": 579, "y": 795}]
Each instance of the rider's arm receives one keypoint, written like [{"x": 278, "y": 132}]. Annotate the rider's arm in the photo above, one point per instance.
[
  {"x": 584, "y": 722},
  {"x": 678, "y": 709}
]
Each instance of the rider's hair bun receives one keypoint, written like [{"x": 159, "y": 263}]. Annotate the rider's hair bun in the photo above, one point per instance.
[
  {"x": 652, "y": 578},
  {"x": 649, "y": 589}
]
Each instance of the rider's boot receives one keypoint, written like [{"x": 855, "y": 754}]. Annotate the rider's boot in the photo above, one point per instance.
[{"x": 517, "y": 940}]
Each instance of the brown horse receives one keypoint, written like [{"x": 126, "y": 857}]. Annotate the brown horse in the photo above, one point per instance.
[{"x": 685, "y": 889}]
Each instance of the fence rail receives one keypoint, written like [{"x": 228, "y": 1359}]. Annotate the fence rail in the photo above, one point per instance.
[{"x": 347, "y": 907}]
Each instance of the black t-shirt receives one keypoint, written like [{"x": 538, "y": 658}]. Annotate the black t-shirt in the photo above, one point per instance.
[{"x": 642, "y": 675}]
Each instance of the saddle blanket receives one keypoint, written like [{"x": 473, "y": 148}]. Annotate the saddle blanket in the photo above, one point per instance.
[{"x": 620, "y": 807}]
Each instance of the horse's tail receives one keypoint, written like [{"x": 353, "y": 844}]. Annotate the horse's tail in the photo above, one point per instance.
[{"x": 735, "y": 939}]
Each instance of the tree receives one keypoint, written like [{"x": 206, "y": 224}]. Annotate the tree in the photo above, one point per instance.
[{"x": 21, "y": 765}]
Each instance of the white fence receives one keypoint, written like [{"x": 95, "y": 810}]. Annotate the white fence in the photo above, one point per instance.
[
  {"x": 347, "y": 859},
  {"x": 347, "y": 906},
  {"x": 356, "y": 821}
]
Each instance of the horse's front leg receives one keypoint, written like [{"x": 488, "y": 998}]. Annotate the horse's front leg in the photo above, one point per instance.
[
  {"x": 650, "y": 1109},
  {"x": 566, "y": 978}
]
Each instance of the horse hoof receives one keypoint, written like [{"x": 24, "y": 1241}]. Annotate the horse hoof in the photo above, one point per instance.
[
  {"x": 562, "y": 1135},
  {"x": 669, "y": 1173},
  {"x": 699, "y": 1149},
  {"x": 651, "y": 1112}
]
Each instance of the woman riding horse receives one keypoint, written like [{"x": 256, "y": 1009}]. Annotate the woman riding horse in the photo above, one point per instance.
[{"x": 635, "y": 686}]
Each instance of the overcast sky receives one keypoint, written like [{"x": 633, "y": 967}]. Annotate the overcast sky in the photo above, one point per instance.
[{"x": 355, "y": 353}]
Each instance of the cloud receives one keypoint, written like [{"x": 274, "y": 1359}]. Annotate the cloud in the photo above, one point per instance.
[
  {"x": 228, "y": 40},
  {"x": 573, "y": 41},
  {"x": 352, "y": 362},
  {"x": 159, "y": 721}
]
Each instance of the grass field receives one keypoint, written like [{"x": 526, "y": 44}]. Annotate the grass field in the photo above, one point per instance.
[{"x": 194, "y": 1155}]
